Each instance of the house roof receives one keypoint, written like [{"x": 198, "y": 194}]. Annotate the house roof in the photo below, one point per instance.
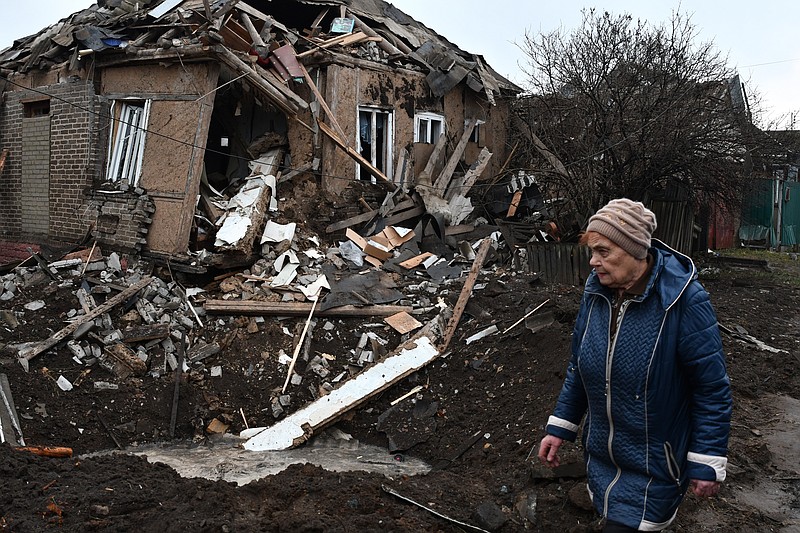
[{"x": 390, "y": 36}]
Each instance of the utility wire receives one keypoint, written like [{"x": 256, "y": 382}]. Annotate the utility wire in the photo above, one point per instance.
[{"x": 182, "y": 142}]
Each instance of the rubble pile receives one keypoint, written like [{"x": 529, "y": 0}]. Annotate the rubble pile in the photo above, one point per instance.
[{"x": 127, "y": 319}]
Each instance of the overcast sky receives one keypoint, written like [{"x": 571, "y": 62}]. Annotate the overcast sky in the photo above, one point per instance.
[{"x": 760, "y": 38}]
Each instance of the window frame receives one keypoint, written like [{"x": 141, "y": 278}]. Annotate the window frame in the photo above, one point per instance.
[
  {"x": 127, "y": 138},
  {"x": 430, "y": 119},
  {"x": 388, "y": 139}
]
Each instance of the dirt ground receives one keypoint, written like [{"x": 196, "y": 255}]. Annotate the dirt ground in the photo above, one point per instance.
[{"x": 480, "y": 413}]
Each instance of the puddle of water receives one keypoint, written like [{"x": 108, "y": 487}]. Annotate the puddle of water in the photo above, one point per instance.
[
  {"x": 225, "y": 460},
  {"x": 771, "y": 496}
]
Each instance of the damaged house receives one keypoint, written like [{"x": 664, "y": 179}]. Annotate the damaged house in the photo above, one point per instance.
[{"x": 167, "y": 127}]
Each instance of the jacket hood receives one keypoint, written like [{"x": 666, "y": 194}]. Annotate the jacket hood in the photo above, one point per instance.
[{"x": 672, "y": 272}]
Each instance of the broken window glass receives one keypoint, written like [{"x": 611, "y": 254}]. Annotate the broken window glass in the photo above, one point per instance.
[
  {"x": 125, "y": 151},
  {"x": 375, "y": 139}
]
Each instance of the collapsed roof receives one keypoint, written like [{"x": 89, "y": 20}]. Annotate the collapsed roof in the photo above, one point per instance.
[{"x": 126, "y": 28}]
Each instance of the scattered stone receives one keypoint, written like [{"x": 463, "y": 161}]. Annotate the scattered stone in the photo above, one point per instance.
[
  {"x": 489, "y": 516},
  {"x": 35, "y": 305}
]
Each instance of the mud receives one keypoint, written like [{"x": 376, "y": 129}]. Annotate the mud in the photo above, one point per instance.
[{"x": 495, "y": 393}]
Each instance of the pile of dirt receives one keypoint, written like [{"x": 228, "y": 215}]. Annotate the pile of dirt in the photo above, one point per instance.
[{"x": 479, "y": 414}]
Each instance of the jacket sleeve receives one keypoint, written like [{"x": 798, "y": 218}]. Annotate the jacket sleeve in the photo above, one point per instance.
[
  {"x": 702, "y": 359},
  {"x": 572, "y": 402}
]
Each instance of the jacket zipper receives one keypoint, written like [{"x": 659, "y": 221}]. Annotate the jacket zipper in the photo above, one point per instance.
[{"x": 609, "y": 361}]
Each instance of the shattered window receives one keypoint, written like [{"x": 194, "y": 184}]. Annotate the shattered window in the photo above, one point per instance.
[
  {"x": 375, "y": 139},
  {"x": 428, "y": 127},
  {"x": 128, "y": 127}
]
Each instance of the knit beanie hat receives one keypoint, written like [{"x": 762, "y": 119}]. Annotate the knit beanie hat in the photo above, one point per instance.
[{"x": 627, "y": 223}]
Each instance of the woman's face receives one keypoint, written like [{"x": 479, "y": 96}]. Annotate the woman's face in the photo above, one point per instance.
[{"x": 615, "y": 268}]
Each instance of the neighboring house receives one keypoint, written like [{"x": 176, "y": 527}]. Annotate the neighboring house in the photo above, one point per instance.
[
  {"x": 771, "y": 205},
  {"x": 121, "y": 117}
]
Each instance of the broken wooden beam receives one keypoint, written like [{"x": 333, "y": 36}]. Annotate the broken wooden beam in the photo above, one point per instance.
[
  {"x": 441, "y": 183},
  {"x": 300, "y": 425},
  {"x": 366, "y": 165},
  {"x": 251, "y": 308},
  {"x": 339, "y": 39},
  {"x": 145, "y": 333},
  {"x": 10, "y": 430},
  {"x": 311, "y": 165},
  {"x": 384, "y": 45},
  {"x": 462, "y": 185},
  {"x": 176, "y": 392},
  {"x": 46, "y": 451},
  {"x": 466, "y": 292},
  {"x": 322, "y": 103},
  {"x": 251, "y": 29},
  {"x": 26, "y": 355},
  {"x": 290, "y": 106},
  {"x": 352, "y": 221},
  {"x": 366, "y": 217},
  {"x": 424, "y": 177}
]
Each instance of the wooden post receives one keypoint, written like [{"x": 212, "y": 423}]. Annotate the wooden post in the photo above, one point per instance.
[
  {"x": 466, "y": 291},
  {"x": 300, "y": 343},
  {"x": 26, "y": 355},
  {"x": 366, "y": 165},
  {"x": 447, "y": 172}
]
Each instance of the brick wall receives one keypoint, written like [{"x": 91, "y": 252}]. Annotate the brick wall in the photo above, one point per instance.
[
  {"x": 35, "y": 179},
  {"x": 74, "y": 160},
  {"x": 121, "y": 218}
]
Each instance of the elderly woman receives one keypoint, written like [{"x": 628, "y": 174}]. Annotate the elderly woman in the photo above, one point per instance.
[{"x": 647, "y": 366}]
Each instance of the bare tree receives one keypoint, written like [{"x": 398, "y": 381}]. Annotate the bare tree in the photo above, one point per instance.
[{"x": 623, "y": 108}]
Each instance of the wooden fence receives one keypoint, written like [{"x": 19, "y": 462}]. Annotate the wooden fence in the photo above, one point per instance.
[{"x": 568, "y": 263}]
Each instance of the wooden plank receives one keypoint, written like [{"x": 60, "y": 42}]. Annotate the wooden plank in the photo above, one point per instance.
[
  {"x": 415, "y": 261},
  {"x": 424, "y": 177},
  {"x": 322, "y": 103},
  {"x": 461, "y": 186},
  {"x": 249, "y": 308},
  {"x": 466, "y": 292},
  {"x": 403, "y": 323},
  {"x": 366, "y": 165},
  {"x": 145, "y": 333},
  {"x": 400, "y": 167},
  {"x": 458, "y": 229},
  {"x": 441, "y": 183},
  {"x": 515, "y": 200},
  {"x": 352, "y": 221},
  {"x": 235, "y": 35},
  {"x": 405, "y": 215},
  {"x": 312, "y": 165},
  {"x": 25, "y": 356},
  {"x": 10, "y": 430},
  {"x": 298, "y": 427},
  {"x": 251, "y": 29},
  {"x": 288, "y": 105},
  {"x": 386, "y": 46},
  {"x": 339, "y": 39},
  {"x": 3, "y": 156}
]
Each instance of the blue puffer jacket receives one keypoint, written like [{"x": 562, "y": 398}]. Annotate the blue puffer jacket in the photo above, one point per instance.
[{"x": 658, "y": 398}]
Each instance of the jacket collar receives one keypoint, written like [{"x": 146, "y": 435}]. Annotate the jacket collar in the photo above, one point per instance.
[{"x": 672, "y": 272}]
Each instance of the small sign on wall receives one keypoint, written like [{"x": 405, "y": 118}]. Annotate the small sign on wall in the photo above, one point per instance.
[{"x": 342, "y": 25}]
